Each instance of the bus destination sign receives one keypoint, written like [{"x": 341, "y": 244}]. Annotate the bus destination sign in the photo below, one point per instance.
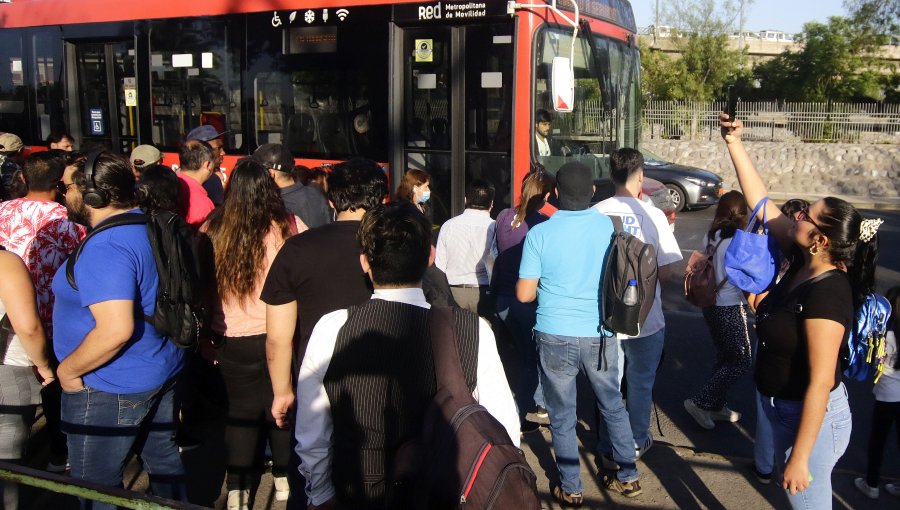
[{"x": 448, "y": 11}]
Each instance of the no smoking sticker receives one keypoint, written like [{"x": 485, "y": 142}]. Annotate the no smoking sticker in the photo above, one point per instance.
[{"x": 424, "y": 50}]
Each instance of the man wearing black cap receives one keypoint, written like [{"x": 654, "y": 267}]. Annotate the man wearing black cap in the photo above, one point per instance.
[
  {"x": 562, "y": 262},
  {"x": 307, "y": 203},
  {"x": 209, "y": 134}
]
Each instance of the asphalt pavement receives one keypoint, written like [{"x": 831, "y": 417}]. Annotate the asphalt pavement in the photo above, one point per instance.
[{"x": 687, "y": 468}]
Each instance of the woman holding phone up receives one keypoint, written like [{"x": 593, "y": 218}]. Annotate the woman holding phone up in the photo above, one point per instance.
[{"x": 802, "y": 324}]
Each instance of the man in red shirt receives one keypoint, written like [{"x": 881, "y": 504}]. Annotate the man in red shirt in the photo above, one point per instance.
[{"x": 196, "y": 159}]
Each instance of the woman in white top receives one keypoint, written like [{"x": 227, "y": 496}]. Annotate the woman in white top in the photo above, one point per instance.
[
  {"x": 25, "y": 365},
  {"x": 726, "y": 320},
  {"x": 887, "y": 406}
]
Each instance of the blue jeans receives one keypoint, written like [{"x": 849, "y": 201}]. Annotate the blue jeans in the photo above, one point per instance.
[
  {"x": 830, "y": 445},
  {"x": 642, "y": 356},
  {"x": 103, "y": 428},
  {"x": 519, "y": 319},
  {"x": 561, "y": 359}
]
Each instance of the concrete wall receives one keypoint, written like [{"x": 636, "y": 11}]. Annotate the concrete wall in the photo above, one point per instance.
[{"x": 861, "y": 172}]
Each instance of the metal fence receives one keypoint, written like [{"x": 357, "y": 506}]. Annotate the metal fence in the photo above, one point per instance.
[{"x": 776, "y": 122}]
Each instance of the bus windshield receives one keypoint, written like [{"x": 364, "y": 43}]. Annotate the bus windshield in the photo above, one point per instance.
[{"x": 606, "y": 114}]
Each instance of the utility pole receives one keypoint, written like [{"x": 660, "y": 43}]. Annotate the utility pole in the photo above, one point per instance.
[
  {"x": 741, "y": 34},
  {"x": 656, "y": 23}
]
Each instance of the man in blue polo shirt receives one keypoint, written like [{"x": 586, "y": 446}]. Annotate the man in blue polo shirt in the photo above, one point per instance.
[
  {"x": 117, "y": 373},
  {"x": 562, "y": 266}
]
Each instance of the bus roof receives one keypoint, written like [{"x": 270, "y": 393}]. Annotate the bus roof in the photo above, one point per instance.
[{"x": 35, "y": 13}]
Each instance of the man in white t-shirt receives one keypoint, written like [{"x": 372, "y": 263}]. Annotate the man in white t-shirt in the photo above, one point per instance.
[{"x": 643, "y": 352}]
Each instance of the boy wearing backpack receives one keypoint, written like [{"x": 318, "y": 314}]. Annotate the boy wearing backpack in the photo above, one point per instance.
[
  {"x": 562, "y": 267},
  {"x": 643, "y": 351},
  {"x": 110, "y": 354},
  {"x": 368, "y": 377}
]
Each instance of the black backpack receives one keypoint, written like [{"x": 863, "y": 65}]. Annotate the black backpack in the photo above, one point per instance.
[
  {"x": 464, "y": 457},
  {"x": 628, "y": 258},
  {"x": 178, "y": 314}
]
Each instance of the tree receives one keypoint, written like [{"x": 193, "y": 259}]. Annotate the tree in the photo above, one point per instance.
[
  {"x": 836, "y": 63},
  {"x": 881, "y": 17},
  {"x": 706, "y": 65}
]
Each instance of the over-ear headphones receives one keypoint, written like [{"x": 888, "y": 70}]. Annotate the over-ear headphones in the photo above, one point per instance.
[{"x": 93, "y": 196}]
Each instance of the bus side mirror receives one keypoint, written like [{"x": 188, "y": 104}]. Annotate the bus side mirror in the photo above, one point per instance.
[{"x": 562, "y": 84}]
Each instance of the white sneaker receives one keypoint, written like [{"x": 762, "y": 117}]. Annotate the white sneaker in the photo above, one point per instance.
[
  {"x": 238, "y": 500},
  {"x": 893, "y": 489},
  {"x": 701, "y": 416},
  {"x": 869, "y": 492},
  {"x": 282, "y": 489},
  {"x": 725, "y": 414}
]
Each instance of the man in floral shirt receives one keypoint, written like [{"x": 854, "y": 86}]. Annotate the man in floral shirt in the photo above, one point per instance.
[{"x": 37, "y": 228}]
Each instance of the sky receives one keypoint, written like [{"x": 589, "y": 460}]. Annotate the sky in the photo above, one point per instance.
[{"x": 784, "y": 15}]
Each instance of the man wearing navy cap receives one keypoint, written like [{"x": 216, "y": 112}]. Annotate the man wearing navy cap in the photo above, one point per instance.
[{"x": 206, "y": 133}]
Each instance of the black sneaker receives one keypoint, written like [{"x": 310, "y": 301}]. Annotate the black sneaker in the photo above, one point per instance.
[
  {"x": 763, "y": 478},
  {"x": 186, "y": 443},
  {"x": 541, "y": 413},
  {"x": 627, "y": 489},
  {"x": 529, "y": 427}
]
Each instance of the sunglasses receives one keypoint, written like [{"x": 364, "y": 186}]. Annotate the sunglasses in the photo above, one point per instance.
[
  {"x": 803, "y": 215},
  {"x": 63, "y": 188}
]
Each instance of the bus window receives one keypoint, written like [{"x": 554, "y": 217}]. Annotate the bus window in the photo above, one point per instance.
[
  {"x": 12, "y": 84},
  {"x": 195, "y": 78},
  {"x": 48, "y": 89},
  {"x": 321, "y": 91},
  {"x": 607, "y": 101},
  {"x": 582, "y": 134}
]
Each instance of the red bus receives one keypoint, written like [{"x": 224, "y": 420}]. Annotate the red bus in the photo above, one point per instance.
[{"x": 452, "y": 87}]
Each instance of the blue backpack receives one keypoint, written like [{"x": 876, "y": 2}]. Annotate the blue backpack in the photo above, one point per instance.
[{"x": 865, "y": 351}]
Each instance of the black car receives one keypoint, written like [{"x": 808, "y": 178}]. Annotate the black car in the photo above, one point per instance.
[{"x": 689, "y": 187}]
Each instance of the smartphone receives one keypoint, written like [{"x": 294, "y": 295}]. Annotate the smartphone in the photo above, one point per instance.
[{"x": 731, "y": 106}]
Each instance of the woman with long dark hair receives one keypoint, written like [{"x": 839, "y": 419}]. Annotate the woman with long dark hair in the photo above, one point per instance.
[
  {"x": 802, "y": 324},
  {"x": 245, "y": 234},
  {"x": 512, "y": 225},
  {"x": 726, "y": 320}
]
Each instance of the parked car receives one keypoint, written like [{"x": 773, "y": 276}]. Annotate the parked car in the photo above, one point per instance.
[{"x": 689, "y": 187}]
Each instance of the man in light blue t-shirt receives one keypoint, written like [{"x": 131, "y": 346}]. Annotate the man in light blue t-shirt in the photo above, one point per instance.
[
  {"x": 562, "y": 266},
  {"x": 116, "y": 371}
]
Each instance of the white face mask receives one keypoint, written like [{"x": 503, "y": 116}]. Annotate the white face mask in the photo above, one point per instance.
[{"x": 424, "y": 197}]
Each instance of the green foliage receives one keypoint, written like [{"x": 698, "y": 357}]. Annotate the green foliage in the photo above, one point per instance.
[
  {"x": 881, "y": 17},
  {"x": 705, "y": 65},
  {"x": 837, "y": 62}
]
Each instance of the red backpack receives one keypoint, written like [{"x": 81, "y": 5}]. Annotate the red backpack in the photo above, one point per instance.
[{"x": 700, "y": 287}]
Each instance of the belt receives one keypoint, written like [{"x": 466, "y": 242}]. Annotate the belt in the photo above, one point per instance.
[{"x": 468, "y": 286}]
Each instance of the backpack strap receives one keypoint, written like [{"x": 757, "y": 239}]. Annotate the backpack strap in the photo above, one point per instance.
[
  {"x": 115, "y": 221},
  {"x": 617, "y": 223},
  {"x": 447, "y": 368}
]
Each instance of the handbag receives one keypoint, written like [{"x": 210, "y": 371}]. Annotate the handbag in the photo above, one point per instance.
[{"x": 752, "y": 259}]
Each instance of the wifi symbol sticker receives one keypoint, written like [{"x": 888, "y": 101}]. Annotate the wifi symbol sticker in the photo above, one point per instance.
[{"x": 342, "y": 14}]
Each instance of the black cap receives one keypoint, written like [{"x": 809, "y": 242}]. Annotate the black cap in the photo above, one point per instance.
[
  {"x": 574, "y": 184},
  {"x": 274, "y": 156}
]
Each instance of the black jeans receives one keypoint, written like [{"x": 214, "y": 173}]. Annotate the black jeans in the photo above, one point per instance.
[
  {"x": 884, "y": 415},
  {"x": 250, "y": 422}
]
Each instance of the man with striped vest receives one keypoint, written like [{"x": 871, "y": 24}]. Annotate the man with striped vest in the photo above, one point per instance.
[{"x": 368, "y": 374}]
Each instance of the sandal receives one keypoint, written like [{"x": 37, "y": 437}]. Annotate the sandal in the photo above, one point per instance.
[{"x": 569, "y": 499}]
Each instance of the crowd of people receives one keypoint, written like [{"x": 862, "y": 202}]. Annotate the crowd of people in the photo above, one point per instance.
[{"x": 317, "y": 294}]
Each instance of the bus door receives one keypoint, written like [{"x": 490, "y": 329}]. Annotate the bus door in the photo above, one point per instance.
[
  {"x": 102, "y": 94},
  {"x": 457, "y": 88}
]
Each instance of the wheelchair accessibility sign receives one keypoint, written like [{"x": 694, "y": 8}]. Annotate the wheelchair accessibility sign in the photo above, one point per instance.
[{"x": 97, "y": 128}]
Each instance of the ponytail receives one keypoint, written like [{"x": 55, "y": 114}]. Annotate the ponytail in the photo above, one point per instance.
[{"x": 861, "y": 270}]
